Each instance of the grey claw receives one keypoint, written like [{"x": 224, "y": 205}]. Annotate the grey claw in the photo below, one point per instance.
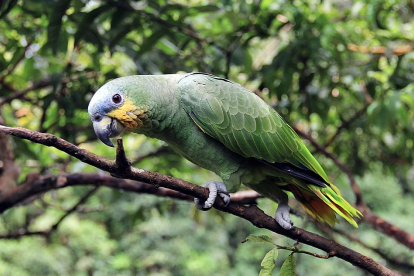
[
  {"x": 225, "y": 197},
  {"x": 282, "y": 216},
  {"x": 214, "y": 189}
]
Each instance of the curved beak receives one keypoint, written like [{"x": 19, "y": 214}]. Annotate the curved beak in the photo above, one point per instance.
[{"x": 106, "y": 127}]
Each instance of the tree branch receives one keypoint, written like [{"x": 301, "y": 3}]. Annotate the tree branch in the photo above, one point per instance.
[
  {"x": 40, "y": 184},
  {"x": 251, "y": 213}
]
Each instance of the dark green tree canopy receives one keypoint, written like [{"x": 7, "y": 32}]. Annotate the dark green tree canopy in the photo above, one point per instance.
[{"x": 340, "y": 73}]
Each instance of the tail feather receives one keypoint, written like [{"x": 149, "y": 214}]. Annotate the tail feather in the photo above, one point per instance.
[
  {"x": 314, "y": 205},
  {"x": 322, "y": 203}
]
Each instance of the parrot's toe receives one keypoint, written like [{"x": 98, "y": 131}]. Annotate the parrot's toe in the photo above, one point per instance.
[
  {"x": 225, "y": 197},
  {"x": 214, "y": 189},
  {"x": 282, "y": 216},
  {"x": 295, "y": 212}
]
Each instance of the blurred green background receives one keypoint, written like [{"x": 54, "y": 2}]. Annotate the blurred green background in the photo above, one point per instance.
[{"x": 321, "y": 64}]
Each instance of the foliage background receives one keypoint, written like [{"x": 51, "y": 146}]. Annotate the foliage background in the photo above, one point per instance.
[{"x": 324, "y": 65}]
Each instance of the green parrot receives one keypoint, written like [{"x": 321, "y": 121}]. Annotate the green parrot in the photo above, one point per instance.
[{"x": 225, "y": 128}]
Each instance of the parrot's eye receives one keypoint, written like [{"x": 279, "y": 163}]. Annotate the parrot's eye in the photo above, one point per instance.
[{"x": 116, "y": 98}]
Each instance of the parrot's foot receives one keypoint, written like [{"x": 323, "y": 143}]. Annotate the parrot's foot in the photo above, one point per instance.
[
  {"x": 214, "y": 188},
  {"x": 282, "y": 216}
]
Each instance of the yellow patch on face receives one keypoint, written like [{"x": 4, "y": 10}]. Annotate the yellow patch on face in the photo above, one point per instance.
[{"x": 128, "y": 114}]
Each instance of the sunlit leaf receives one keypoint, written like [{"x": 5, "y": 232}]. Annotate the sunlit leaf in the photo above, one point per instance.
[
  {"x": 268, "y": 262},
  {"x": 289, "y": 266},
  {"x": 260, "y": 239},
  {"x": 150, "y": 41}
]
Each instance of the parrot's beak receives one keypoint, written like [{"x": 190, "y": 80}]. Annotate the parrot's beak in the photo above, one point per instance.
[{"x": 106, "y": 127}]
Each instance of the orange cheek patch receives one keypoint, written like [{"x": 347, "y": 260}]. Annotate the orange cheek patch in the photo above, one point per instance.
[{"x": 126, "y": 114}]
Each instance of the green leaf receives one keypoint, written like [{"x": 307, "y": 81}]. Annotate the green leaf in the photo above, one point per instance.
[
  {"x": 206, "y": 8},
  {"x": 408, "y": 98},
  {"x": 260, "y": 238},
  {"x": 24, "y": 148},
  {"x": 269, "y": 262},
  {"x": 270, "y": 258},
  {"x": 167, "y": 47},
  {"x": 289, "y": 266},
  {"x": 151, "y": 41},
  {"x": 29, "y": 68},
  {"x": 88, "y": 20},
  {"x": 247, "y": 61},
  {"x": 267, "y": 271},
  {"x": 383, "y": 116},
  {"x": 55, "y": 24},
  {"x": 17, "y": 54}
]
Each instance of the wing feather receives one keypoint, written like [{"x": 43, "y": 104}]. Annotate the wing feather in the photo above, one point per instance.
[{"x": 243, "y": 122}]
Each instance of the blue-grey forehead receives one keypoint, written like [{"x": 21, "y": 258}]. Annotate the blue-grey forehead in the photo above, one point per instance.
[{"x": 101, "y": 100}]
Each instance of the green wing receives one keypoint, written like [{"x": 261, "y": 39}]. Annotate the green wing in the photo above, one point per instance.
[{"x": 243, "y": 122}]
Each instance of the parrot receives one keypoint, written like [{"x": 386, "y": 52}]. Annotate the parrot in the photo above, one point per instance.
[{"x": 223, "y": 127}]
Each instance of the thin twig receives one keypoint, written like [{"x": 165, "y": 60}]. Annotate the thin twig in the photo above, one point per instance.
[
  {"x": 13, "y": 67},
  {"x": 297, "y": 250},
  {"x": 74, "y": 208},
  {"x": 359, "y": 113}
]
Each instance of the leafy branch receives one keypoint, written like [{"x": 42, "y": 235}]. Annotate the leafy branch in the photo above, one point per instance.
[{"x": 294, "y": 248}]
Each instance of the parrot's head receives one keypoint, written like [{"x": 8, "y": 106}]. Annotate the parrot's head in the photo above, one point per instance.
[{"x": 112, "y": 109}]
